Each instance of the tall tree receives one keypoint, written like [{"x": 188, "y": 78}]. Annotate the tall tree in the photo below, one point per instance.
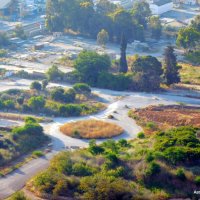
[
  {"x": 141, "y": 12},
  {"x": 102, "y": 37},
  {"x": 155, "y": 26},
  {"x": 123, "y": 61},
  {"x": 188, "y": 38},
  {"x": 171, "y": 68}
]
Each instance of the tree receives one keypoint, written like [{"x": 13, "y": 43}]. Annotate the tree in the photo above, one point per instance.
[
  {"x": 171, "y": 68},
  {"x": 104, "y": 7},
  {"x": 90, "y": 64},
  {"x": 148, "y": 71},
  {"x": 36, "y": 86},
  {"x": 196, "y": 23},
  {"x": 123, "y": 61},
  {"x": 54, "y": 73},
  {"x": 45, "y": 82},
  {"x": 188, "y": 38},
  {"x": 19, "y": 32},
  {"x": 36, "y": 103},
  {"x": 82, "y": 88},
  {"x": 141, "y": 12},
  {"x": 155, "y": 26},
  {"x": 102, "y": 38}
]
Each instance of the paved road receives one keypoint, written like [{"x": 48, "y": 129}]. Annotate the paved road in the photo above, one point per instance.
[{"x": 16, "y": 180}]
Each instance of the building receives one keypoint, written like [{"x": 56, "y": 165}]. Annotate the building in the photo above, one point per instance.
[
  {"x": 187, "y": 2},
  {"x": 5, "y": 7},
  {"x": 159, "y": 7}
]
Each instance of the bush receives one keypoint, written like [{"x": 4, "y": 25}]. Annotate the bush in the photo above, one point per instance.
[
  {"x": 141, "y": 135},
  {"x": 103, "y": 187},
  {"x": 197, "y": 180},
  {"x": 81, "y": 169},
  {"x": 3, "y": 53},
  {"x": 36, "y": 86},
  {"x": 82, "y": 88},
  {"x": 180, "y": 174},
  {"x": 37, "y": 154},
  {"x": 18, "y": 196},
  {"x": 36, "y": 103},
  {"x": 152, "y": 169}
]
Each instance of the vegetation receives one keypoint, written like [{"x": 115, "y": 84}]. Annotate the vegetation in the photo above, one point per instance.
[
  {"x": 190, "y": 74},
  {"x": 189, "y": 39},
  {"x": 102, "y": 38},
  {"x": 21, "y": 140},
  {"x": 84, "y": 18},
  {"x": 91, "y": 129},
  {"x": 51, "y": 102},
  {"x": 171, "y": 68},
  {"x": 155, "y": 167}
]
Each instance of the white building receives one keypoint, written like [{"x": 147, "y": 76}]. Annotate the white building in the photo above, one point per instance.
[{"x": 159, "y": 7}]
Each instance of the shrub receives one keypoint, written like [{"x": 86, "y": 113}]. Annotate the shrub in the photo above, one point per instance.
[
  {"x": 149, "y": 157},
  {"x": 36, "y": 86},
  {"x": 180, "y": 174},
  {"x": 94, "y": 149},
  {"x": 62, "y": 163},
  {"x": 38, "y": 154},
  {"x": 123, "y": 143},
  {"x": 152, "y": 169},
  {"x": 18, "y": 196},
  {"x": 36, "y": 103},
  {"x": 150, "y": 125},
  {"x": 103, "y": 187},
  {"x": 197, "y": 180},
  {"x": 81, "y": 169},
  {"x": 82, "y": 88},
  {"x": 141, "y": 135}
]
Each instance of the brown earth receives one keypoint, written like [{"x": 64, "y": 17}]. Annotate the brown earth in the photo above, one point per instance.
[{"x": 169, "y": 116}]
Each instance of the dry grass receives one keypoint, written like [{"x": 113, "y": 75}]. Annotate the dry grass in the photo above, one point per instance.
[
  {"x": 190, "y": 74},
  {"x": 91, "y": 129}
]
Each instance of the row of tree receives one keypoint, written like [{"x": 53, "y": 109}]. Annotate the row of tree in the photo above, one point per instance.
[{"x": 86, "y": 18}]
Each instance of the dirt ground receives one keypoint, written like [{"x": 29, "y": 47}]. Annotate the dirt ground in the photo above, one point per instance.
[{"x": 170, "y": 116}]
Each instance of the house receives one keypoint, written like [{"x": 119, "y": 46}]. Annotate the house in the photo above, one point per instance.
[
  {"x": 5, "y": 7},
  {"x": 188, "y": 2},
  {"x": 159, "y": 7}
]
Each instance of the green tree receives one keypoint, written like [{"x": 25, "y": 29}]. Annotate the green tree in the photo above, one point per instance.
[
  {"x": 105, "y": 7},
  {"x": 54, "y": 74},
  {"x": 188, "y": 38},
  {"x": 148, "y": 71},
  {"x": 155, "y": 26},
  {"x": 45, "y": 82},
  {"x": 171, "y": 68},
  {"x": 36, "y": 103},
  {"x": 141, "y": 12},
  {"x": 196, "y": 23},
  {"x": 123, "y": 61},
  {"x": 102, "y": 38},
  {"x": 90, "y": 64},
  {"x": 36, "y": 86}
]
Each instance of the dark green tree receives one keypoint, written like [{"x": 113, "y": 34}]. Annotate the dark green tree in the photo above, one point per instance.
[
  {"x": 123, "y": 61},
  {"x": 171, "y": 68},
  {"x": 90, "y": 64},
  {"x": 36, "y": 86}
]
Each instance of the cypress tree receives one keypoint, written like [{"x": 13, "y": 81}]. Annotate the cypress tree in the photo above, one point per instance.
[
  {"x": 171, "y": 68},
  {"x": 123, "y": 61}
]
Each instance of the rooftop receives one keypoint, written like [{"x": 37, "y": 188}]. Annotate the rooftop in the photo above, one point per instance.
[
  {"x": 4, "y": 3},
  {"x": 162, "y": 2}
]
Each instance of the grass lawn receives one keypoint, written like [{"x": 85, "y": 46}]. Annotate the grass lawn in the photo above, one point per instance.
[
  {"x": 91, "y": 129},
  {"x": 190, "y": 74}
]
